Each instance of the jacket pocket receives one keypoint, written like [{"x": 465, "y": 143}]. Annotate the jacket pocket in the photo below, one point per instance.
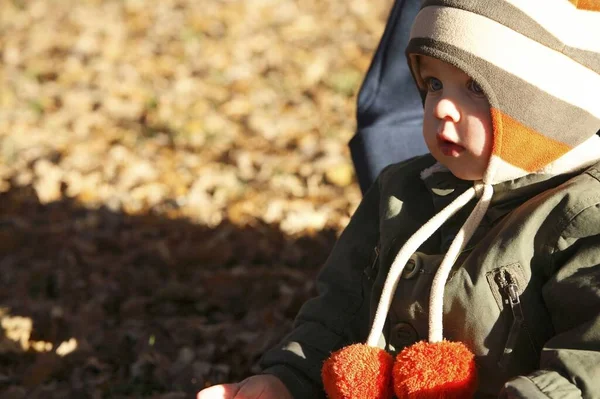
[{"x": 507, "y": 284}]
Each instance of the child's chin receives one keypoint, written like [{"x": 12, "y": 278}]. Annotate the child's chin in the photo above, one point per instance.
[
  {"x": 458, "y": 167},
  {"x": 464, "y": 173}
]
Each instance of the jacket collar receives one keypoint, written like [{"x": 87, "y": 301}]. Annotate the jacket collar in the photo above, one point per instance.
[{"x": 444, "y": 187}]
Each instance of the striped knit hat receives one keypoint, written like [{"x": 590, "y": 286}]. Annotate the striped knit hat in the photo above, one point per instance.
[{"x": 538, "y": 63}]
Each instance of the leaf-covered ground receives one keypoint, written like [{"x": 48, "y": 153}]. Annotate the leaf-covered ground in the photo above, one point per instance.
[{"x": 172, "y": 175}]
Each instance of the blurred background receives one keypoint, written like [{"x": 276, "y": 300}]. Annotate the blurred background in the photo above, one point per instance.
[{"x": 173, "y": 173}]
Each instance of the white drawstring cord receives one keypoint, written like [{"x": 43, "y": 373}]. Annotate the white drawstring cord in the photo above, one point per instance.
[
  {"x": 410, "y": 247},
  {"x": 436, "y": 299}
]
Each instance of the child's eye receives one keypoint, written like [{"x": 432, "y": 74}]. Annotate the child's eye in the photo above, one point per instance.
[
  {"x": 433, "y": 84},
  {"x": 475, "y": 88}
]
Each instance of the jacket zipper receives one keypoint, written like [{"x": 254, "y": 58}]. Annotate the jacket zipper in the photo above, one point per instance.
[{"x": 511, "y": 292}]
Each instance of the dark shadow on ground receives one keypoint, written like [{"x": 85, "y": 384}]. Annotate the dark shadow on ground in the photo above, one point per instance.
[{"x": 155, "y": 305}]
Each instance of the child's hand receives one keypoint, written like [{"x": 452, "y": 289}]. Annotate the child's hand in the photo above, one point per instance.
[{"x": 255, "y": 387}]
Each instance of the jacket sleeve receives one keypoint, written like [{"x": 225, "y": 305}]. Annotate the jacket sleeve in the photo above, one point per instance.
[
  {"x": 339, "y": 314},
  {"x": 570, "y": 360}
]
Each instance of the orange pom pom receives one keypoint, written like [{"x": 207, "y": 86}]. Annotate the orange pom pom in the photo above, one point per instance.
[
  {"x": 358, "y": 371},
  {"x": 441, "y": 370}
]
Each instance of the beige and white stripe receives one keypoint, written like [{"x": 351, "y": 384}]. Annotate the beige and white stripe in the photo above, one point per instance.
[
  {"x": 575, "y": 28},
  {"x": 558, "y": 25}
]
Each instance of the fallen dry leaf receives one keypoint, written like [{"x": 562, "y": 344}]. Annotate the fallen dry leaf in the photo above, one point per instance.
[{"x": 172, "y": 175}]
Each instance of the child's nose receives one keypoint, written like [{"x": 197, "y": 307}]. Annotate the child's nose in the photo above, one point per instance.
[{"x": 447, "y": 109}]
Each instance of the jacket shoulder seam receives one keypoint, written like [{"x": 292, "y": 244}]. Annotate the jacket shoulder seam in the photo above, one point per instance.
[{"x": 571, "y": 215}]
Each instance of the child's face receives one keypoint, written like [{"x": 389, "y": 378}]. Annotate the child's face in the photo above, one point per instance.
[{"x": 457, "y": 124}]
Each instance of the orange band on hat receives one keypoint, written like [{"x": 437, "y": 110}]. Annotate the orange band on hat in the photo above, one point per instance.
[
  {"x": 523, "y": 147},
  {"x": 590, "y": 5}
]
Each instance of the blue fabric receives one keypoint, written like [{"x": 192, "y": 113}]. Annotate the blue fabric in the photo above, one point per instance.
[{"x": 389, "y": 110}]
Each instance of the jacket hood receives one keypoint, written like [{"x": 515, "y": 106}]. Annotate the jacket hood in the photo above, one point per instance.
[{"x": 539, "y": 66}]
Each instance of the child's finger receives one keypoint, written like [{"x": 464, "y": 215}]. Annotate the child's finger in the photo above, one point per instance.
[{"x": 226, "y": 391}]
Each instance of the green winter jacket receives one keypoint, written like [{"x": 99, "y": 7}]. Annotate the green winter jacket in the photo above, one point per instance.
[{"x": 524, "y": 295}]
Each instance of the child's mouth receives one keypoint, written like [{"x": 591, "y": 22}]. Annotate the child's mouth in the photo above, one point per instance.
[{"x": 449, "y": 148}]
